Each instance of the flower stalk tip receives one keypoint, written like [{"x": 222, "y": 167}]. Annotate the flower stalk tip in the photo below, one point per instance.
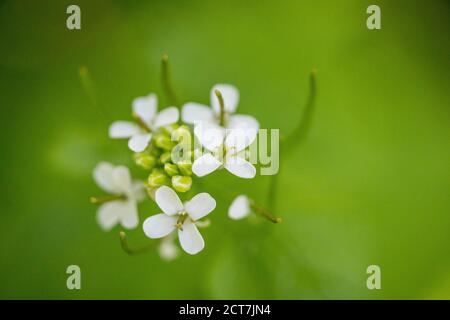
[
  {"x": 104, "y": 199},
  {"x": 264, "y": 212},
  {"x": 165, "y": 80},
  {"x": 222, "y": 107}
]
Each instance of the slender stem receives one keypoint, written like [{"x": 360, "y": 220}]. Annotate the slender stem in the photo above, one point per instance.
[
  {"x": 89, "y": 88},
  {"x": 264, "y": 212},
  {"x": 104, "y": 199},
  {"x": 132, "y": 251},
  {"x": 166, "y": 81},
  {"x": 301, "y": 131},
  {"x": 222, "y": 107},
  {"x": 296, "y": 137}
]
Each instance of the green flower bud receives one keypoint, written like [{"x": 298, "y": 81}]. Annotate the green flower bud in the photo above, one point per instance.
[
  {"x": 165, "y": 157},
  {"x": 171, "y": 169},
  {"x": 157, "y": 178},
  {"x": 181, "y": 183},
  {"x": 164, "y": 142},
  {"x": 144, "y": 160},
  {"x": 185, "y": 167},
  {"x": 181, "y": 134},
  {"x": 156, "y": 152},
  {"x": 170, "y": 128}
]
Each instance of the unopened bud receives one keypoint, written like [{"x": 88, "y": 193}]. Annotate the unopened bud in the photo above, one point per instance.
[
  {"x": 170, "y": 128},
  {"x": 181, "y": 183},
  {"x": 164, "y": 142},
  {"x": 165, "y": 157},
  {"x": 157, "y": 178},
  {"x": 185, "y": 167},
  {"x": 171, "y": 169},
  {"x": 144, "y": 160}
]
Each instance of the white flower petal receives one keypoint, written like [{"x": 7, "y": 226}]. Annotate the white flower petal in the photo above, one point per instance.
[
  {"x": 137, "y": 191},
  {"x": 165, "y": 117},
  {"x": 195, "y": 112},
  {"x": 168, "y": 200},
  {"x": 240, "y": 167},
  {"x": 145, "y": 107},
  {"x": 211, "y": 136},
  {"x": 129, "y": 217},
  {"x": 205, "y": 165},
  {"x": 122, "y": 179},
  {"x": 108, "y": 214},
  {"x": 123, "y": 129},
  {"x": 240, "y": 208},
  {"x": 242, "y": 121},
  {"x": 200, "y": 206},
  {"x": 230, "y": 96},
  {"x": 103, "y": 176},
  {"x": 139, "y": 142},
  {"x": 159, "y": 225},
  {"x": 239, "y": 139},
  {"x": 167, "y": 248},
  {"x": 190, "y": 238}
]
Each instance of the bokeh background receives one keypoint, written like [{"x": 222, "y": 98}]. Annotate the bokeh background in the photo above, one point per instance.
[{"x": 370, "y": 185}]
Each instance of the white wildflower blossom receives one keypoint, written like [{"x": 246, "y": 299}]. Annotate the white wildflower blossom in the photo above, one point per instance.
[
  {"x": 195, "y": 113},
  {"x": 120, "y": 207},
  {"x": 224, "y": 146},
  {"x": 179, "y": 216},
  {"x": 148, "y": 121}
]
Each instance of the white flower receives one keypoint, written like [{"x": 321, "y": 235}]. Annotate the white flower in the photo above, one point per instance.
[
  {"x": 122, "y": 206},
  {"x": 195, "y": 113},
  {"x": 179, "y": 216},
  {"x": 144, "y": 109},
  {"x": 225, "y": 146},
  {"x": 239, "y": 208}
]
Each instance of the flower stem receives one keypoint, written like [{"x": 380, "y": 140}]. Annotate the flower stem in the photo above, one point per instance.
[
  {"x": 264, "y": 212},
  {"x": 132, "y": 251},
  {"x": 89, "y": 88},
  {"x": 104, "y": 199},
  {"x": 297, "y": 136},
  {"x": 301, "y": 131},
  {"x": 222, "y": 107},
  {"x": 166, "y": 82}
]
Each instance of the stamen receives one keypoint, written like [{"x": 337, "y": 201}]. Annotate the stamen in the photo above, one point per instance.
[
  {"x": 222, "y": 107},
  {"x": 109, "y": 198},
  {"x": 141, "y": 123},
  {"x": 180, "y": 221}
]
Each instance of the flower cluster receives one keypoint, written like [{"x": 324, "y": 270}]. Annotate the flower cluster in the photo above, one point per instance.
[{"x": 174, "y": 151}]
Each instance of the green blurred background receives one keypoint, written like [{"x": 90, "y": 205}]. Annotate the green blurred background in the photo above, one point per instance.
[{"x": 370, "y": 185}]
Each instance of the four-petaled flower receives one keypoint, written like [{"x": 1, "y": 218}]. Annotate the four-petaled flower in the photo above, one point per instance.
[
  {"x": 179, "y": 216},
  {"x": 147, "y": 121},
  {"x": 225, "y": 146},
  {"x": 121, "y": 205},
  {"x": 195, "y": 113}
]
